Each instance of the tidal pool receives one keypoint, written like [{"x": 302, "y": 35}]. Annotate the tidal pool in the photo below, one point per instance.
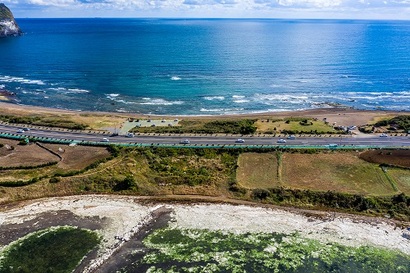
[{"x": 54, "y": 250}]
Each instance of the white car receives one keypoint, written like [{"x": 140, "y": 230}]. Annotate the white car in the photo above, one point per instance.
[
  {"x": 20, "y": 131},
  {"x": 383, "y": 135},
  {"x": 240, "y": 140},
  {"x": 281, "y": 141},
  {"x": 185, "y": 141},
  {"x": 105, "y": 140}
]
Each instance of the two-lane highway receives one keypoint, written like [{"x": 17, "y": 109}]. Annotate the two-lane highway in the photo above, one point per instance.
[{"x": 367, "y": 140}]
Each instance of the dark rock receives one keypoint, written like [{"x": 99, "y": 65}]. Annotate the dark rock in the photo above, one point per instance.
[{"x": 8, "y": 26}]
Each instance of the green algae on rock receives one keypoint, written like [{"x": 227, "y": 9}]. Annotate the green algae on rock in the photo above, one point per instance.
[
  {"x": 175, "y": 250},
  {"x": 56, "y": 249}
]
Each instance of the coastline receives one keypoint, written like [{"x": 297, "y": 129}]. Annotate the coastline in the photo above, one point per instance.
[{"x": 345, "y": 116}]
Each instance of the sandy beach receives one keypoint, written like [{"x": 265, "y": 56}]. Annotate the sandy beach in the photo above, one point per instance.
[
  {"x": 341, "y": 116},
  {"x": 118, "y": 218}
]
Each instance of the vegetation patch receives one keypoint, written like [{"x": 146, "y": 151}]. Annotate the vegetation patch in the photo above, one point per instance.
[
  {"x": 49, "y": 121},
  {"x": 396, "y": 123},
  {"x": 243, "y": 126},
  {"x": 57, "y": 249},
  {"x": 295, "y": 126},
  {"x": 176, "y": 250},
  {"x": 397, "y": 206}
]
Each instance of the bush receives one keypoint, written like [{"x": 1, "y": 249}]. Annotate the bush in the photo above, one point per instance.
[
  {"x": 54, "y": 180},
  {"x": 401, "y": 122}
]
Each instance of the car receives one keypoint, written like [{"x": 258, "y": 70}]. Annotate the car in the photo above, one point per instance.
[
  {"x": 26, "y": 129},
  {"x": 20, "y": 131},
  {"x": 383, "y": 135},
  {"x": 105, "y": 140},
  {"x": 130, "y": 135},
  {"x": 291, "y": 137},
  {"x": 185, "y": 141},
  {"x": 281, "y": 141},
  {"x": 240, "y": 140}
]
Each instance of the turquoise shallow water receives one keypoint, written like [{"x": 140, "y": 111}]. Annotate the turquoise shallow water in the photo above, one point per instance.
[{"x": 207, "y": 66}]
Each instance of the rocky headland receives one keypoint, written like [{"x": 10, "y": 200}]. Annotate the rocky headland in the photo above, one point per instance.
[{"x": 8, "y": 26}]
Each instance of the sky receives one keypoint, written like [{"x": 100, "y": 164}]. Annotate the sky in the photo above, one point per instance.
[{"x": 315, "y": 9}]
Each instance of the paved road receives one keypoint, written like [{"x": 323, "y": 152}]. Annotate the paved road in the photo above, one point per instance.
[{"x": 372, "y": 140}]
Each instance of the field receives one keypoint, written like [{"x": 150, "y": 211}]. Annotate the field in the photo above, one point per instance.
[
  {"x": 389, "y": 157},
  {"x": 25, "y": 164},
  {"x": 14, "y": 155},
  {"x": 335, "y": 172},
  {"x": 328, "y": 171},
  {"x": 258, "y": 170}
]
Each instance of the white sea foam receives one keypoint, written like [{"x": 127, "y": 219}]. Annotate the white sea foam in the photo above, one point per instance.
[
  {"x": 113, "y": 95},
  {"x": 212, "y": 110},
  {"x": 238, "y": 97},
  {"x": 271, "y": 99},
  {"x": 2, "y": 86},
  {"x": 175, "y": 78},
  {"x": 214, "y": 98},
  {"x": 241, "y": 101},
  {"x": 77, "y": 90},
  {"x": 126, "y": 102},
  {"x": 68, "y": 90},
  {"x": 150, "y": 101},
  {"x": 222, "y": 110},
  {"x": 10, "y": 79}
]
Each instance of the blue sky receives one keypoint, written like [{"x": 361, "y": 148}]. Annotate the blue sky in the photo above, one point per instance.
[{"x": 344, "y": 9}]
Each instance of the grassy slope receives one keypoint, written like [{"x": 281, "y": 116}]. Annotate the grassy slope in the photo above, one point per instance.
[{"x": 230, "y": 174}]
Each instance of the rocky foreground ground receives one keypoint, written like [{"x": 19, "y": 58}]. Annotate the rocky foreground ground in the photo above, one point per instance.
[{"x": 118, "y": 218}]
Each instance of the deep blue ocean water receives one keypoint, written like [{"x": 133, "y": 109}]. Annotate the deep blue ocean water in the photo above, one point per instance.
[{"x": 208, "y": 66}]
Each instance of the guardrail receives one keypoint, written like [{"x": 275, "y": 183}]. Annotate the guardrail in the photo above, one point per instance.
[{"x": 194, "y": 146}]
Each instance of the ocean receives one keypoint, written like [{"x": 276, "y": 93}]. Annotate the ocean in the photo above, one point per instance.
[{"x": 207, "y": 66}]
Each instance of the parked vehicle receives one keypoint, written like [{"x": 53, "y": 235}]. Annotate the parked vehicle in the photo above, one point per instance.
[
  {"x": 281, "y": 141},
  {"x": 383, "y": 135},
  {"x": 291, "y": 137}
]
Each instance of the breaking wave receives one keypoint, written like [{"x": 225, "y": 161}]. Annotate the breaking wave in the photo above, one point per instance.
[{"x": 10, "y": 79}]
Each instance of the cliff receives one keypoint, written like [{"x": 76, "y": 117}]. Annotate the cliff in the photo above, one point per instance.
[{"x": 8, "y": 26}]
